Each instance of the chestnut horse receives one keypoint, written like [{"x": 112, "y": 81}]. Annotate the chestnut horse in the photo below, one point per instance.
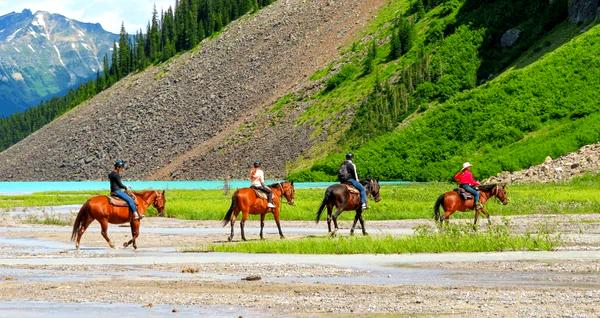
[
  {"x": 246, "y": 201},
  {"x": 452, "y": 202},
  {"x": 99, "y": 208},
  {"x": 338, "y": 195}
]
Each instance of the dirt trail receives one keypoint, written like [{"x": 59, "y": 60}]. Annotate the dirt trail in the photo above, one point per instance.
[{"x": 39, "y": 264}]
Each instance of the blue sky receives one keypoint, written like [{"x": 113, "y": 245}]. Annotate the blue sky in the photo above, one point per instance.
[{"x": 110, "y": 13}]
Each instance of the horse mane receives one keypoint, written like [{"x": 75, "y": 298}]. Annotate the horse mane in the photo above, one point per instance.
[{"x": 487, "y": 187}]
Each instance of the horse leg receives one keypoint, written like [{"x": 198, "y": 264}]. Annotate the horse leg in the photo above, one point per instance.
[
  {"x": 487, "y": 215},
  {"x": 447, "y": 215},
  {"x": 355, "y": 220},
  {"x": 362, "y": 223},
  {"x": 82, "y": 230},
  {"x": 135, "y": 229},
  {"x": 276, "y": 217},
  {"x": 262, "y": 225},
  {"x": 242, "y": 222},
  {"x": 104, "y": 232},
  {"x": 329, "y": 209},
  {"x": 232, "y": 222},
  {"x": 337, "y": 213},
  {"x": 476, "y": 217}
]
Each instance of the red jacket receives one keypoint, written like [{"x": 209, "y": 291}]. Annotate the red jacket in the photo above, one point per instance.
[{"x": 466, "y": 177}]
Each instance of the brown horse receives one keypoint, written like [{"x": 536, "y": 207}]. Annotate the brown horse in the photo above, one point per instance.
[
  {"x": 338, "y": 195},
  {"x": 452, "y": 202},
  {"x": 246, "y": 201},
  {"x": 99, "y": 208}
]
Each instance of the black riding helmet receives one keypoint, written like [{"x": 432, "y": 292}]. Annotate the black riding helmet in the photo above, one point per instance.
[
  {"x": 256, "y": 164},
  {"x": 349, "y": 156},
  {"x": 119, "y": 164}
]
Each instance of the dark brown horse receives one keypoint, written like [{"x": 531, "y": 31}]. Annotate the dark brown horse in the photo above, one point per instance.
[
  {"x": 452, "y": 202},
  {"x": 246, "y": 201},
  {"x": 339, "y": 197},
  {"x": 99, "y": 208}
]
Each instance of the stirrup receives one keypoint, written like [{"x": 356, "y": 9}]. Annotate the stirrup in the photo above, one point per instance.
[
  {"x": 271, "y": 205},
  {"x": 364, "y": 206}
]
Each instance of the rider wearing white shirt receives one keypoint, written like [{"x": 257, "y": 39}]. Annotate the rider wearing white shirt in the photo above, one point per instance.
[{"x": 257, "y": 181}]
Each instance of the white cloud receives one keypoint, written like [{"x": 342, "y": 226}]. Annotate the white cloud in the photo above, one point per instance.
[{"x": 110, "y": 13}]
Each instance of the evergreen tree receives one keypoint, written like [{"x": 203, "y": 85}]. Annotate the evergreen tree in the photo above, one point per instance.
[
  {"x": 395, "y": 45},
  {"x": 154, "y": 37},
  {"x": 124, "y": 52},
  {"x": 369, "y": 61},
  {"x": 114, "y": 65},
  {"x": 406, "y": 34}
]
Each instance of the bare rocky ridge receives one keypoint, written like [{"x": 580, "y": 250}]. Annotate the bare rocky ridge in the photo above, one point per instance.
[
  {"x": 585, "y": 160},
  {"x": 177, "y": 115}
]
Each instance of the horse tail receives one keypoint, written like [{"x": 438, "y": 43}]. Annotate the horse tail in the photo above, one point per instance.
[
  {"x": 227, "y": 217},
  {"x": 436, "y": 208},
  {"x": 327, "y": 194},
  {"x": 79, "y": 221}
]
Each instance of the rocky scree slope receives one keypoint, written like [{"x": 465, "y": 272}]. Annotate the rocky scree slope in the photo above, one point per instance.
[
  {"x": 155, "y": 118},
  {"x": 585, "y": 160}
]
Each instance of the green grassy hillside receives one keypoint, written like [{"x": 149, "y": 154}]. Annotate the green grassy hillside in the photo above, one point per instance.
[{"x": 442, "y": 103}]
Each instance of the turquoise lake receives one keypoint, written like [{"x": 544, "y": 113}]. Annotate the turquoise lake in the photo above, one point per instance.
[{"x": 22, "y": 187}]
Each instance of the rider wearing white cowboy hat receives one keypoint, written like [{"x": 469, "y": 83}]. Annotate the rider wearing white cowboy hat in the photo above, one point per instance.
[{"x": 466, "y": 181}]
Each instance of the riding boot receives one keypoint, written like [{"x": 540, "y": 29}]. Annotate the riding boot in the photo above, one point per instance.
[{"x": 137, "y": 216}]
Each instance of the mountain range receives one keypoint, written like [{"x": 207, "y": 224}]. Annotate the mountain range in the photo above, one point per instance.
[{"x": 45, "y": 55}]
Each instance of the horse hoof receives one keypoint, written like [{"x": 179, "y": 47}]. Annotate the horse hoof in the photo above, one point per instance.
[
  {"x": 365, "y": 234},
  {"x": 282, "y": 237},
  {"x": 125, "y": 244},
  {"x": 229, "y": 239},
  {"x": 351, "y": 233},
  {"x": 135, "y": 247},
  {"x": 112, "y": 246},
  {"x": 244, "y": 239}
]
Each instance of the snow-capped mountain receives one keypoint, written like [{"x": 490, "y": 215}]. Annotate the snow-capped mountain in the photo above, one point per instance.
[{"x": 44, "y": 54}]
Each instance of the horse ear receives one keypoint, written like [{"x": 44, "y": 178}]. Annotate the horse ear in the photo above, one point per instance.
[{"x": 163, "y": 192}]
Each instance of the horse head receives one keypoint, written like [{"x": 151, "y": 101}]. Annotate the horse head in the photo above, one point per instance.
[
  {"x": 159, "y": 202},
  {"x": 288, "y": 191},
  {"x": 500, "y": 192},
  {"x": 373, "y": 189}
]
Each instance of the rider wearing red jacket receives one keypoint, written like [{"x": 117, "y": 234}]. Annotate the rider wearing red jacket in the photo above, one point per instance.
[{"x": 466, "y": 181}]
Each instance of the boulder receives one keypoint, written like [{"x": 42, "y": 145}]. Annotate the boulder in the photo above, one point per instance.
[
  {"x": 583, "y": 10},
  {"x": 509, "y": 37}
]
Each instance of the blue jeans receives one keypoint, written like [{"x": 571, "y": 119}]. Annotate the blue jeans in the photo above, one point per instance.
[
  {"x": 472, "y": 191},
  {"x": 123, "y": 195},
  {"x": 363, "y": 192}
]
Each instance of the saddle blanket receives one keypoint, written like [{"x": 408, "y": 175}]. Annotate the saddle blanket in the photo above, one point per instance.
[
  {"x": 116, "y": 201},
  {"x": 260, "y": 194},
  {"x": 464, "y": 194},
  {"x": 351, "y": 188}
]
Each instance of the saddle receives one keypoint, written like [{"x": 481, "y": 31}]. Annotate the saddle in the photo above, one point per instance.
[
  {"x": 259, "y": 193},
  {"x": 116, "y": 201},
  {"x": 351, "y": 188},
  {"x": 464, "y": 194}
]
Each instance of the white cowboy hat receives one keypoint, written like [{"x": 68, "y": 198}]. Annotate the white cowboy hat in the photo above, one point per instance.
[{"x": 466, "y": 165}]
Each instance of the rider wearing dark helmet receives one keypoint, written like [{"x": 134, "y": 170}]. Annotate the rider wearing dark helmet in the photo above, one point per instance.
[
  {"x": 257, "y": 181},
  {"x": 348, "y": 174},
  {"x": 117, "y": 188}
]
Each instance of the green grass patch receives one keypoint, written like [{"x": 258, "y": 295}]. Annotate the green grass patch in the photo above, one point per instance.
[
  {"x": 410, "y": 201},
  {"x": 453, "y": 238},
  {"x": 48, "y": 220}
]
